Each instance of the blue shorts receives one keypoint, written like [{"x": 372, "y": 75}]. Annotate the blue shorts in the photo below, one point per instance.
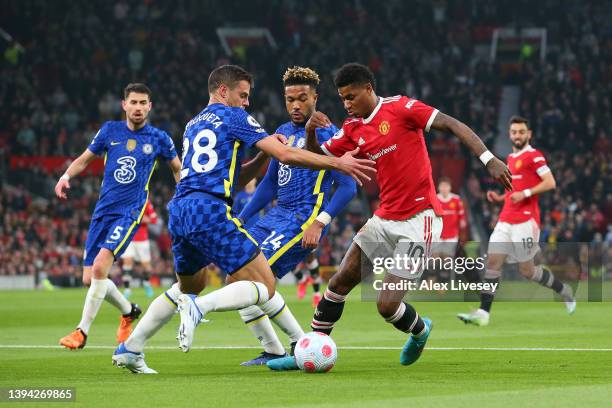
[
  {"x": 204, "y": 231},
  {"x": 280, "y": 234},
  {"x": 113, "y": 232}
]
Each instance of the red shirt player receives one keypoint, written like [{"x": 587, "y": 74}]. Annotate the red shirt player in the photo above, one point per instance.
[
  {"x": 517, "y": 232},
  {"x": 139, "y": 250},
  {"x": 453, "y": 218},
  {"x": 389, "y": 131},
  {"x": 150, "y": 217}
]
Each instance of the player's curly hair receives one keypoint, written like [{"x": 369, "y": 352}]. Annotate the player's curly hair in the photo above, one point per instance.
[
  {"x": 301, "y": 76},
  {"x": 354, "y": 73}
]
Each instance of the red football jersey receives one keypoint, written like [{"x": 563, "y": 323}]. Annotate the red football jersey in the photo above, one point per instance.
[
  {"x": 453, "y": 216},
  {"x": 392, "y": 136},
  {"x": 142, "y": 234},
  {"x": 527, "y": 167}
]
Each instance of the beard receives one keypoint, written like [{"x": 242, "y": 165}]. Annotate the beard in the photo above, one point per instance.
[{"x": 519, "y": 144}]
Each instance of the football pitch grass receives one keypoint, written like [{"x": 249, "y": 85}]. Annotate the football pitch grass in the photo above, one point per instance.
[{"x": 531, "y": 355}]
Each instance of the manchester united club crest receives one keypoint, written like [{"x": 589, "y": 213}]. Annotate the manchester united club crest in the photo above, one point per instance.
[
  {"x": 518, "y": 164},
  {"x": 384, "y": 127},
  {"x": 131, "y": 145},
  {"x": 452, "y": 205}
]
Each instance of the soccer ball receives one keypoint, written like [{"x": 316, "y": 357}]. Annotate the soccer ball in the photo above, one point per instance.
[{"x": 315, "y": 353}]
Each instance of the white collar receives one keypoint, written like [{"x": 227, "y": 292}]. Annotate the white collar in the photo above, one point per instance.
[
  {"x": 374, "y": 112},
  {"x": 527, "y": 148},
  {"x": 445, "y": 200}
]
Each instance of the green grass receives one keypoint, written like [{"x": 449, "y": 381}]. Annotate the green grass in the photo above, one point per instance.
[{"x": 361, "y": 378}]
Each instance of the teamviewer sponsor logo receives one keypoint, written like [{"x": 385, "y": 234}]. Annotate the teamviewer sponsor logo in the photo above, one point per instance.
[{"x": 382, "y": 152}]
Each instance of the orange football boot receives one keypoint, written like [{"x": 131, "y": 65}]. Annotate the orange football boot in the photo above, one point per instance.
[
  {"x": 75, "y": 340},
  {"x": 125, "y": 323}
]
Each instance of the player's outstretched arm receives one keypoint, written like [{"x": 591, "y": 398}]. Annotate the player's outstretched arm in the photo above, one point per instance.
[
  {"x": 497, "y": 168},
  {"x": 265, "y": 192},
  {"x": 548, "y": 183},
  {"x": 249, "y": 170},
  {"x": 75, "y": 168},
  {"x": 346, "y": 164}
]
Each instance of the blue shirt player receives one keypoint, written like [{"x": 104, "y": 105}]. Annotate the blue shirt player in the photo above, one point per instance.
[
  {"x": 203, "y": 227},
  {"x": 131, "y": 149},
  {"x": 291, "y": 231}
]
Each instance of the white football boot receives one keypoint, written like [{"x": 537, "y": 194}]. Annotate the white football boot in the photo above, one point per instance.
[{"x": 478, "y": 317}]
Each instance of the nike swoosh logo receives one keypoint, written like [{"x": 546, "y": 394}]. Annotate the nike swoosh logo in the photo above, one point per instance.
[{"x": 115, "y": 143}]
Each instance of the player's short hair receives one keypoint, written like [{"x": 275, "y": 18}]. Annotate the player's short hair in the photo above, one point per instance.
[
  {"x": 301, "y": 76},
  {"x": 354, "y": 74},
  {"x": 445, "y": 179},
  {"x": 519, "y": 119},
  {"x": 228, "y": 75},
  {"x": 136, "y": 87}
]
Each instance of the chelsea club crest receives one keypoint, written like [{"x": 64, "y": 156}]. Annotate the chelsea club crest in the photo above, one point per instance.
[{"x": 147, "y": 148}]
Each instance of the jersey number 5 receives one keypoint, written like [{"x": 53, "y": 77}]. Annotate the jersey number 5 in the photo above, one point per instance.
[{"x": 198, "y": 151}]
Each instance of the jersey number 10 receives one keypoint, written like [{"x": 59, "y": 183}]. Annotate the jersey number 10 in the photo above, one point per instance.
[{"x": 198, "y": 151}]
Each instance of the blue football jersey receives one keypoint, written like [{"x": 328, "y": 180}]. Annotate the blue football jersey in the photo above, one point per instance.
[
  {"x": 214, "y": 143},
  {"x": 300, "y": 187},
  {"x": 130, "y": 158}
]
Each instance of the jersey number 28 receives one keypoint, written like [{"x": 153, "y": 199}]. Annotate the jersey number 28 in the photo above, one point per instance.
[{"x": 198, "y": 151}]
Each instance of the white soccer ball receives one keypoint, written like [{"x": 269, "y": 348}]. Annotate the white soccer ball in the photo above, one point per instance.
[{"x": 315, "y": 353}]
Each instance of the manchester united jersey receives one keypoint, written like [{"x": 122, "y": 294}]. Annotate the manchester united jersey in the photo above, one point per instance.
[
  {"x": 527, "y": 166},
  {"x": 143, "y": 231},
  {"x": 453, "y": 215},
  {"x": 392, "y": 136}
]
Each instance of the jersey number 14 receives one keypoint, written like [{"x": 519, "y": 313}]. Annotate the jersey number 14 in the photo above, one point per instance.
[{"x": 200, "y": 150}]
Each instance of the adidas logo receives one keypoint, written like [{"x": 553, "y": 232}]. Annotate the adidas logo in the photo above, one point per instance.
[{"x": 361, "y": 141}]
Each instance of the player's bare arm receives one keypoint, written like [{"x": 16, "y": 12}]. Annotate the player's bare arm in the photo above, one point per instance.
[
  {"x": 175, "y": 166},
  {"x": 317, "y": 120},
  {"x": 75, "y": 168},
  {"x": 548, "y": 183},
  {"x": 249, "y": 170},
  {"x": 312, "y": 234},
  {"x": 346, "y": 164},
  {"x": 495, "y": 197},
  {"x": 497, "y": 168}
]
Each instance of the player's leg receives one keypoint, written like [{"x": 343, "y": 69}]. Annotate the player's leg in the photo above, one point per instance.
[
  {"x": 330, "y": 308},
  {"x": 303, "y": 279},
  {"x": 542, "y": 275},
  {"x": 130, "y": 354},
  {"x": 252, "y": 284},
  {"x": 78, "y": 338},
  {"x": 480, "y": 316},
  {"x": 312, "y": 264},
  {"x": 405, "y": 318},
  {"x": 282, "y": 257},
  {"x": 414, "y": 239},
  {"x": 127, "y": 270},
  {"x": 143, "y": 252},
  {"x": 500, "y": 247}
]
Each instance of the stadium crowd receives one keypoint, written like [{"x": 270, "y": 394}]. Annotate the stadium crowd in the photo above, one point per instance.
[{"x": 55, "y": 98}]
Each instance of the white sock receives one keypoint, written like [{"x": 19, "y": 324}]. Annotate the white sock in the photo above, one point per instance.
[
  {"x": 279, "y": 312},
  {"x": 260, "y": 326},
  {"x": 159, "y": 313},
  {"x": 115, "y": 298},
  {"x": 234, "y": 296},
  {"x": 93, "y": 300}
]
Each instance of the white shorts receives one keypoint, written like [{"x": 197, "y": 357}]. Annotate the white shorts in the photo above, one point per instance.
[
  {"x": 140, "y": 251},
  {"x": 519, "y": 241},
  {"x": 446, "y": 246},
  {"x": 381, "y": 239}
]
